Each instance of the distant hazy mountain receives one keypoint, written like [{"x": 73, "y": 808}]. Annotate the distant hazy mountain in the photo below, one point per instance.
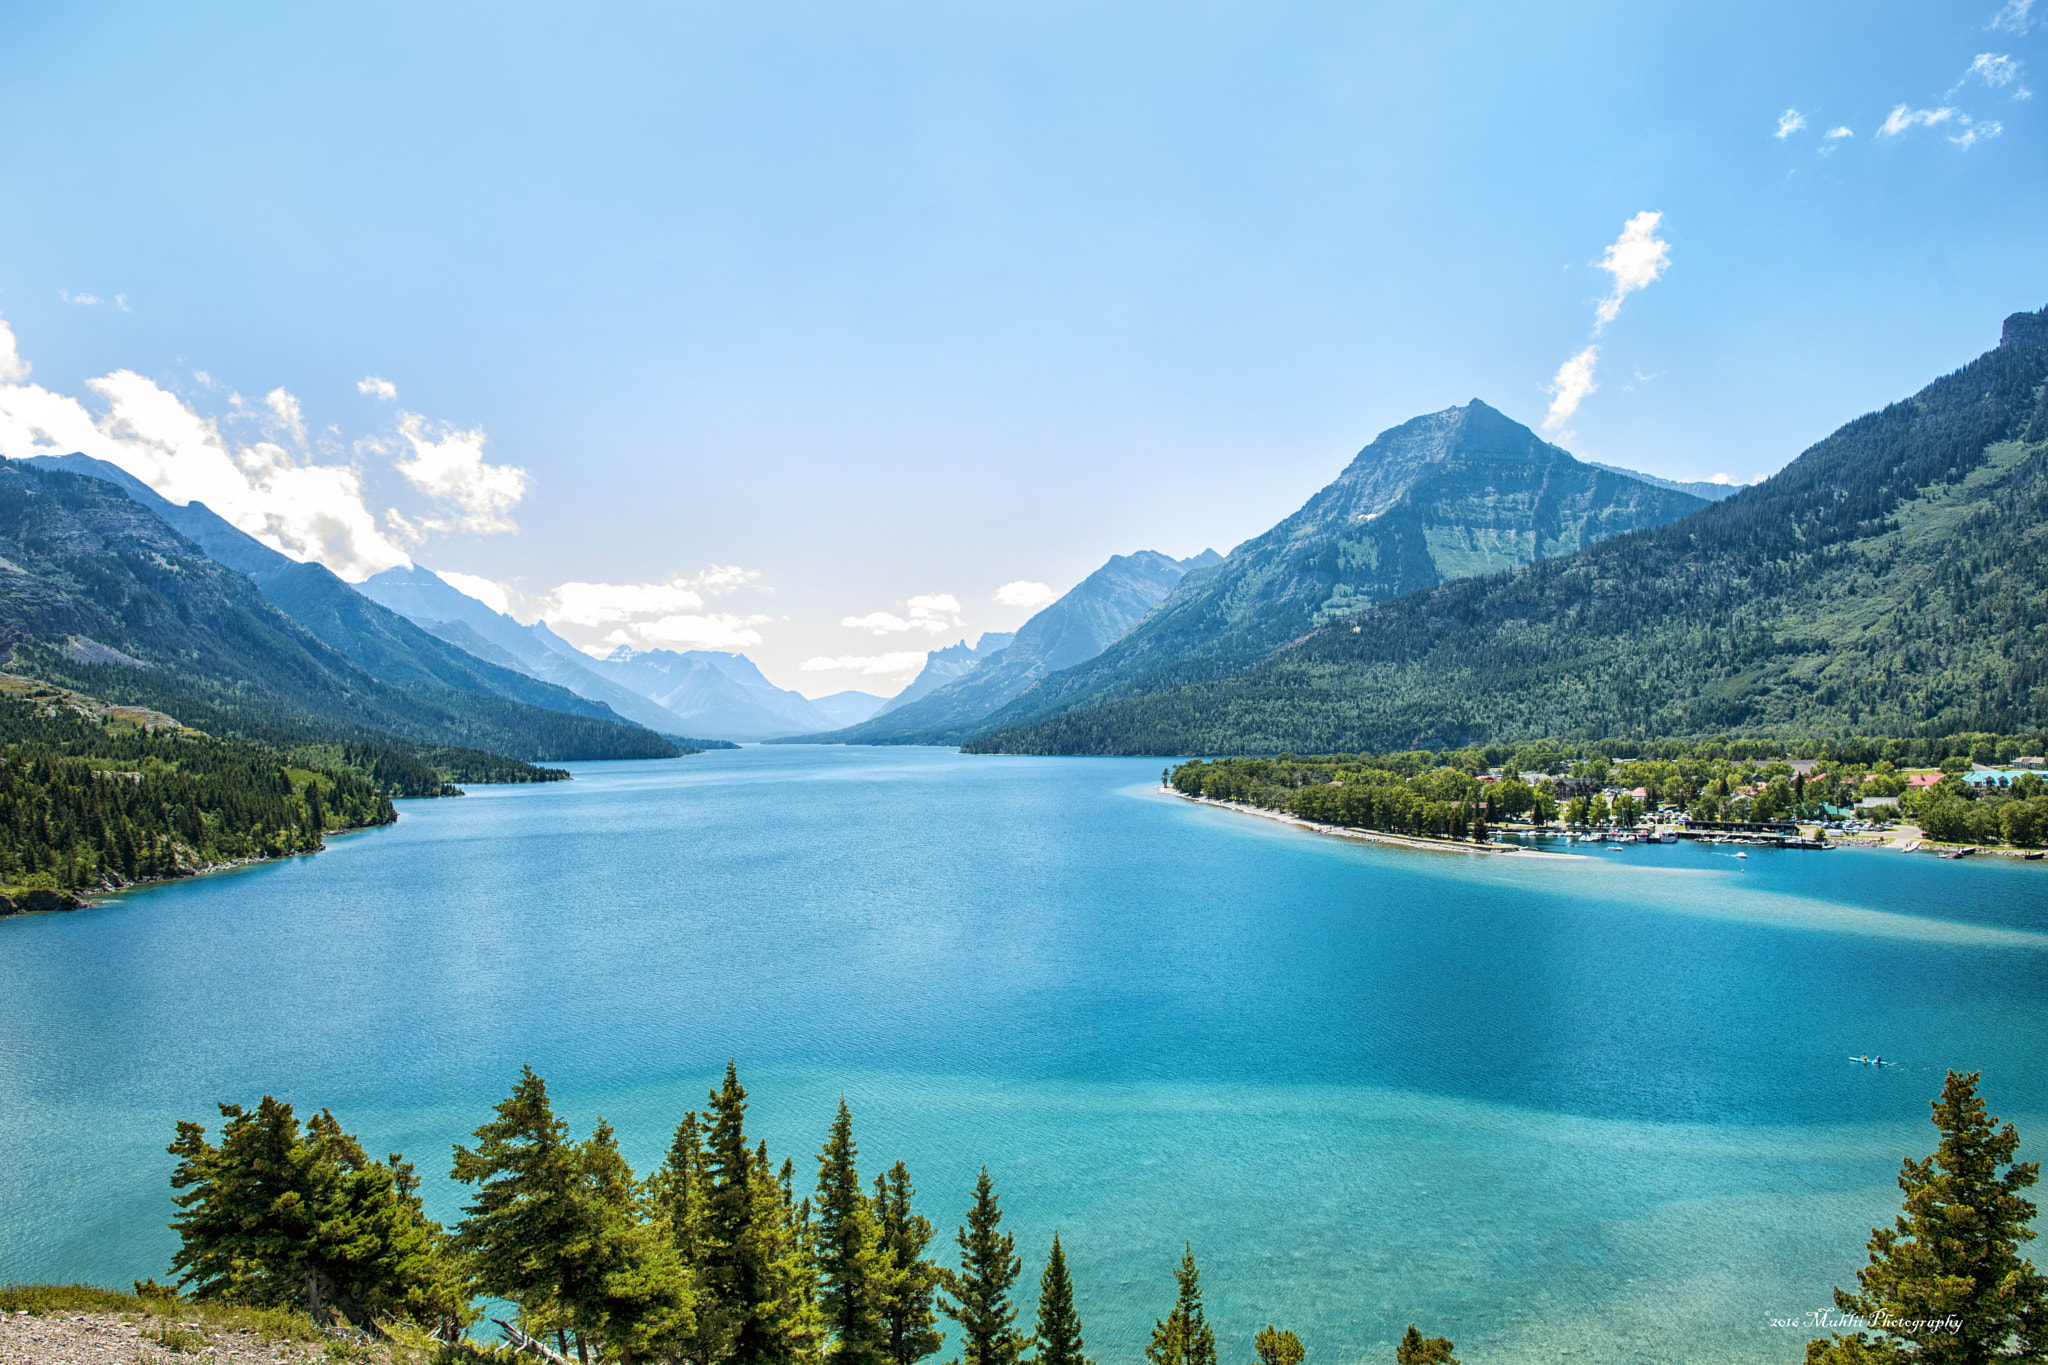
[
  {"x": 427, "y": 600},
  {"x": 942, "y": 666},
  {"x": 1712, "y": 492},
  {"x": 849, "y": 707},
  {"x": 1892, "y": 580},
  {"x": 1080, "y": 625},
  {"x": 713, "y": 693},
  {"x": 383, "y": 642},
  {"x": 1460, "y": 492}
]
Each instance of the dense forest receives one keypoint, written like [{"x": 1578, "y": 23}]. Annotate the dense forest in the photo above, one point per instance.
[
  {"x": 1893, "y": 579},
  {"x": 87, "y": 805},
  {"x": 716, "y": 1258}
]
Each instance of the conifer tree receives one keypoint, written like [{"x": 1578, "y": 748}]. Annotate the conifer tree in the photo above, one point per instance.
[
  {"x": 1059, "y": 1326},
  {"x": 1416, "y": 1349},
  {"x": 908, "y": 1312},
  {"x": 276, "y": 1216},
  {"x": 526, "y": 1230},
  {"x": 636, "y": 1298},
  {"x": 1946, "y": 1282},
  {"x": 755, "y": 1272},
  {"x": 855, "y": 1269},
  {"x": 1184, "y": 1337},
  {"x": 981, "y": 1287},
  {"x": 1276, "y": 1347},
  {"x": 677, "y": 1190}
]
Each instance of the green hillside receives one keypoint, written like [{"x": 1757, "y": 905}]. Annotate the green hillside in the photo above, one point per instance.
[
  {"x": 1891, "y": 580},
  {"x": 99, "y": 594},
  {"x": 1454, "y": 493}
]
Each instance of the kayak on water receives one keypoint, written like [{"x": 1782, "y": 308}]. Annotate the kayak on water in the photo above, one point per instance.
[{"x": 1873, "y": 1061}]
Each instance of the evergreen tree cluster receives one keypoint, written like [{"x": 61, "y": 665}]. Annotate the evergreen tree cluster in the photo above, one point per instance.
[
  {"x": 1443, "y": 802},
  {"x": 713, "y": 1259},
  {"x": 86, "y": 805}
]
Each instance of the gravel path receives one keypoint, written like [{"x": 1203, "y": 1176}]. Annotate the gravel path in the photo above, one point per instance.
[{"x": 119, "y": 1339}]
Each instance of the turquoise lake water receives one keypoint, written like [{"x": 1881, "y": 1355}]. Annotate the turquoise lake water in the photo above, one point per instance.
[{"x": 1586, "y": 1110}]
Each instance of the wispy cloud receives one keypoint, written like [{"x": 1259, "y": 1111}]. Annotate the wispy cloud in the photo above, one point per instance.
[
  {"x": 933, "y": 613},
  {"x": 1974, "y": 132},
  {"x": 1636, "y": 260},
  {"x": 448, "y": 463},
  {"x": 1570, "y": 385},
  {"x": 1789, "y": 122},
  {"x": 1905, "y": 116},
  {"x": 253, "y": 463},
  {"x": 897, "y": 665},
  {"x": 1024, "y": 594},
  {"x": 655, "y": 615},
  {"x": 377, "y": 388},
  {"x": 82, "y": 300},
  {"x": 2014, "y": 18}
]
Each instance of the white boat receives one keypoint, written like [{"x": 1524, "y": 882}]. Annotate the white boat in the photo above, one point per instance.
[{"x": 1742, "y": 855}]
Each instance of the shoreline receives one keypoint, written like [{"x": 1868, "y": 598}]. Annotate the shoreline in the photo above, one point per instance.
[{"x": 1371, "y": 836}]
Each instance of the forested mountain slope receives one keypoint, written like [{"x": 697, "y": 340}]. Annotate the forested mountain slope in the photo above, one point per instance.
[
  {"x": 1089, "y": 617},
  {"x": 1891, "y": 580},
  {"x": 1458, "y": 492},
  {"x": 382, "y": 642},
  {"x": 98, "y": 593}
]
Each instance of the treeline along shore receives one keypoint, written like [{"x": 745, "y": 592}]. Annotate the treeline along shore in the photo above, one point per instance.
[
  {"x": 94, "y": 798},
  {"x": 1950, "y": 786}
]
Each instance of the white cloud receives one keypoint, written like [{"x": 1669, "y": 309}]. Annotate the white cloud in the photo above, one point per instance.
[
  {"x": 1721, "y": 478},
  {"x": 274, "y": 488},
  {"x": 121, "y": 302},
  {"x": 1974, "y": 133},
  {"x": 376, "y": 388},
  {"x": 1836, "y": 134},
  {"x": 604, "y": 604},
  {"x": 491, "y": 594},
  {"x": 2014, "y": 18},
  {"x": 654, "y": 615},
  {"x": 449, "y": 464},
  {"x": 1573, "y": 381},
  {"x": 1994, "y": 70},
  {"x": 867, "y": 665},
  {"x": 933, "y": 613},
  {"x": 1024, "y": 594},
  {"x": 82, "y": 300},
  {"x": 1635, "y": 259},
  {"x": 718, "y": 630},
  {"x": 288, "y": 412},
  {"x": 1789, "y": 122},
  {"x": 1903, "y": 117},
  {"x": 13, "y": 369}
]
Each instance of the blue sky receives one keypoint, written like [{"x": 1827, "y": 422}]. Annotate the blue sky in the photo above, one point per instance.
[{"x": 733, "y": 325}]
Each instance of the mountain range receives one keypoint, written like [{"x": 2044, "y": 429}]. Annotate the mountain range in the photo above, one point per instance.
[
  {"x": 98, "y": 592},
  {"x": 957, "y": 692},
  {"x": 1893, "y": 579}
]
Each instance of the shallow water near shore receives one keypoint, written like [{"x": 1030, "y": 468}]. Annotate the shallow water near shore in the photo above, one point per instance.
[{"x": 1597, "y": 1109}]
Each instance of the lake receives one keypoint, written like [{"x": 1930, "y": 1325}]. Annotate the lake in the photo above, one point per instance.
[{"x": 1597, "y": 1109}]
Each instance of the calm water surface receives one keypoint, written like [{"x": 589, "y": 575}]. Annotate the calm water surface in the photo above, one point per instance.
[{"x": 1596, "y": 1110}]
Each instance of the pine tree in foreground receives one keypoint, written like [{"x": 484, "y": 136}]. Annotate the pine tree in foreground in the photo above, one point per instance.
[
  {"x": 909, "y": 1312},
  {"x": 1276, "y": 1347},
  {"x": 1059, "y": 1326},
  {"x": 1184, "y": 1337},
  {"x": 981, "y": 1287},
  {"x": 1946, "y": 1283},
  {"x": 1416, "y": 1349},
  {"x": 855, "y": 1269}
]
